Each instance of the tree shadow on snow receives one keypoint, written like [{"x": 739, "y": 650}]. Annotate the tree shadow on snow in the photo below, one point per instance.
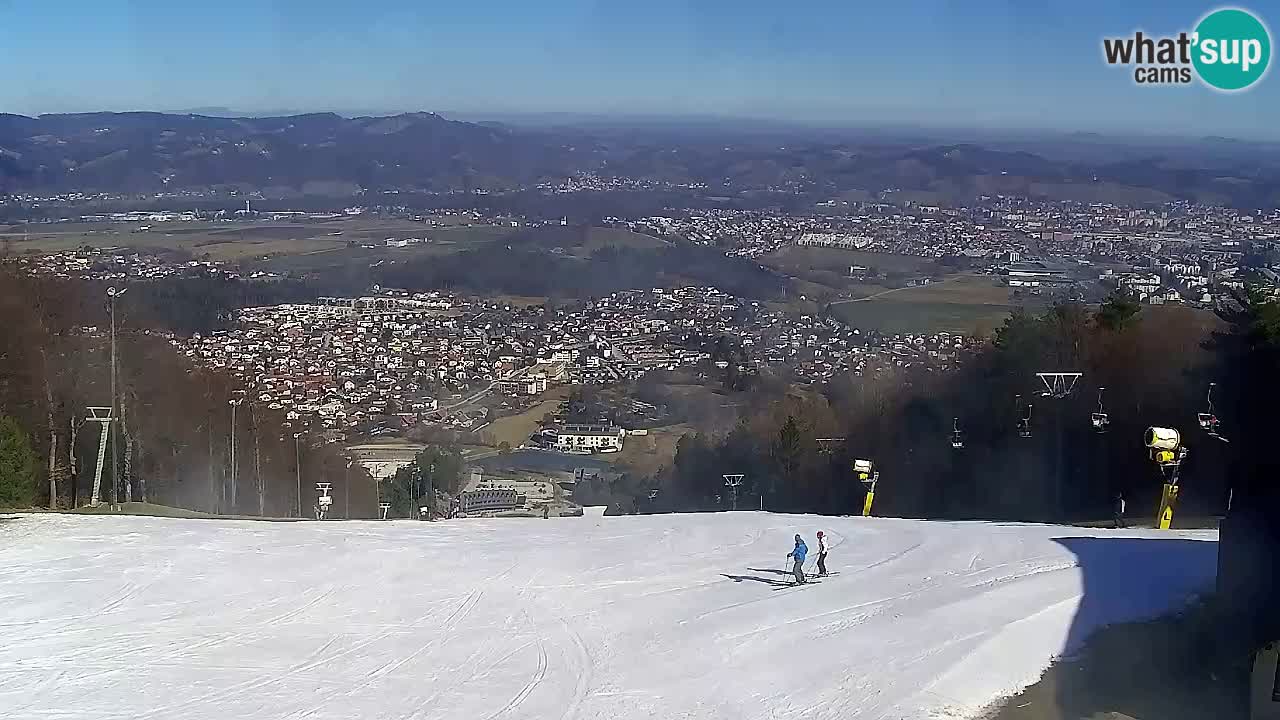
[
  {"x": 1126, "y": 579},
  {"x": 753, "y": 578},
  {"x": 1116, "y": 657}
]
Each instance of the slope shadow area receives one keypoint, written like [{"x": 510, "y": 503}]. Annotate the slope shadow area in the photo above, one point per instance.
[{"x": 1133, "y": 649}]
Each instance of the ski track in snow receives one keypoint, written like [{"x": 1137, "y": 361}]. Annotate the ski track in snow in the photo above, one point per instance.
[{"x": 127, "y": 618}]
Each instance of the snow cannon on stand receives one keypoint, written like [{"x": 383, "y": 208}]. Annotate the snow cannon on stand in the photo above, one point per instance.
[
  {"x": 1167, "y": 452},
  {"x": 866, "y": 473},
  {"x": 1160, "y": 439}
]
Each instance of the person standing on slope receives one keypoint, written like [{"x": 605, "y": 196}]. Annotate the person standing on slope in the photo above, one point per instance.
[
  {"x": 798, "y": 553},
  {"x": 822, "y": 555}
]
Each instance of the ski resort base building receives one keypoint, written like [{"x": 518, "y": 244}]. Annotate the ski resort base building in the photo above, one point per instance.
[
  {"x": 589, "y": 439},
  {"x": 491, "y": 500}
]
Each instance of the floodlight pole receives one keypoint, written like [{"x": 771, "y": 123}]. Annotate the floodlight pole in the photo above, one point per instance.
[
  {"x": 112, "y": 294},
  {"x": 346, "y": 489},
  {"x": 297, "y": 464},
  {"x": 431, "y": 489},
  {"x": 235, "y": 472}
]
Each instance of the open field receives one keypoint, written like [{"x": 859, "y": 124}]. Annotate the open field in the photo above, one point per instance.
[
  {"x": 1205, "y": 321},
  {"x": 224, "y": 241},
  {"x": 962, "y": 304},
  {"x": 818, "y": 272},
  {"x": 217, "y": 242},
  {"x": 580, "y": 240},
  {"x": 795, "y": 258},
  {"x": 516, "y": 429},
  {"x": 974, "y": 303},
  {"x": 522, "y": 301},
  {"x": 960, "y": 289},
  {"x": 892, "y": 316},
  {"x": 646, "y": 454},
  {"x": 442, "y": 241},
  {"x": 652, "y": 616},
  {"x": 599, "y": 237}
]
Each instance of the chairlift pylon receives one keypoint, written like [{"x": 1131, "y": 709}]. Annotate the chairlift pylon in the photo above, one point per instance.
[
  {"x": 325, "y": 501},
  {"x": 1058, "y": 384}
]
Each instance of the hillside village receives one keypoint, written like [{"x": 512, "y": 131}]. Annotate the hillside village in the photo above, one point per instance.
[{"x": 394, "y": 361}]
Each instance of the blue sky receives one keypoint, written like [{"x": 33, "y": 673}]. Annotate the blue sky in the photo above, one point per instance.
[{"x": 954, "y": 63}]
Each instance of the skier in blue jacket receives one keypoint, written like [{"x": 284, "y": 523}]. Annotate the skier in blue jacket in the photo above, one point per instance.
[{"x": 798, "y": 553}]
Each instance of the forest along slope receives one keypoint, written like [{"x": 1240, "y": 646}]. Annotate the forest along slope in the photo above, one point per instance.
[{"x": 629, "y": 617}]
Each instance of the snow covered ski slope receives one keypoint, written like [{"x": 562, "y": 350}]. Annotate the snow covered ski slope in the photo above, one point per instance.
[{"x": 669, "y": 616}]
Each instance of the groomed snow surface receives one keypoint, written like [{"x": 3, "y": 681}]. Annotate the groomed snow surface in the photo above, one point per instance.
[{"x": 665, "y": 616}]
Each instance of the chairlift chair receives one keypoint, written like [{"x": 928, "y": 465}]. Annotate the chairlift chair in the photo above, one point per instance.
[
  {"x": 957, "y": 438},
  {"x": 1099, "y": 419},
  {"x": 1024, "y": 423},
  {"x": 1208, "y": 420}
]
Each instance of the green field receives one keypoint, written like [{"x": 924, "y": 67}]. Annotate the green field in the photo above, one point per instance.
[
  {"x": 922, "y": 317},
  {"x": 598, "y": 238},
  {"x": 969, "y": 304},
  {"x": 580, "y": 240}
]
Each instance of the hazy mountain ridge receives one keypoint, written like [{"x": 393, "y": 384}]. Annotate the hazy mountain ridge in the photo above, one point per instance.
[
  {"x": 149, "y": 152},
  {"x": 153, "y": 151}
]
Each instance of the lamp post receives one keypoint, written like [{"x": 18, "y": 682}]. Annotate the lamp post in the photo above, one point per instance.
[
  {"x": 431, "y": 489},
  {"x": 414, "y": 479},
  {"x": 297, "y": 464},
  {"x": 235, "y": 472},
  {"x": 346, "y": 489},
  {"x": 112, "y": 294}
]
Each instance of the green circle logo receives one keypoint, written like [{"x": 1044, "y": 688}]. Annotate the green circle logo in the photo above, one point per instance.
[{"x": 1232, "y": 49}]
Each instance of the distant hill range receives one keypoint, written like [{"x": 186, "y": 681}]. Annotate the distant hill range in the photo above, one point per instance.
[
  {"x": 328, "y": 154},
  {"x": 148, "y": 152}
]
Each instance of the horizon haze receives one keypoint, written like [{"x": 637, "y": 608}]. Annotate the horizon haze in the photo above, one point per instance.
[{"x": 1026, "y": 66}]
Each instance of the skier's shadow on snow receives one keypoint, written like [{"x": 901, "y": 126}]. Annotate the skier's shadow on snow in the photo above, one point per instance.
[
  {"x": 788, "y": 573},
  {"x": 753, "y": 578}
]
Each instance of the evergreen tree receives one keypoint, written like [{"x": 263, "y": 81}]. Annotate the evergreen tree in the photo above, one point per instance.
[
  {"x": 17, "y": 465},
  {"x": 1117, "y": 311}
]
